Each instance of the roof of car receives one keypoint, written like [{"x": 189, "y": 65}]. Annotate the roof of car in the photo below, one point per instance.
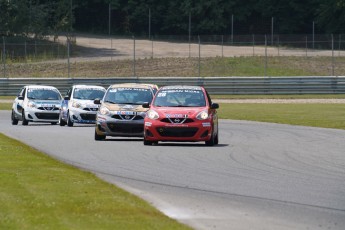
[
  {"x": 190, "y": 87},
  {"x": 131, "y": 85},
  {"x": 88, "y": 86},
  {"x": 40, "y": 86}
]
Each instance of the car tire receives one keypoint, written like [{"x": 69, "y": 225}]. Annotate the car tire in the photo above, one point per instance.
[
  {"x": 24, "y": 121},
  {"x": 69, "y": 121},
  {"x": 99, "y": 137},
  {"x": 14, "y": 120},
  {"x": 212, "y": 141},
  {"x": 61, "y": 122},
  {"x": 216, "y": 140},
  {"x": 146, "y": 142}
]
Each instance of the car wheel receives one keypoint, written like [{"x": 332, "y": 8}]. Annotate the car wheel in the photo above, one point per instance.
[
  {"x": 69, "y": 121},
  {"x": 99, "y": 137},
  {"x": 216, "y": 140},
  {"x": 146, "y": 142},
  {"x": 212, "y": 141},
  {"x": 24, "y": 121},
  {"x": 61, "y": 122},
  {"x": 13, "y": 119}
]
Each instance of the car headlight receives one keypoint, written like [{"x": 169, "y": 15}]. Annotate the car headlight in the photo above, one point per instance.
[
  {"x": 76, "y": 104},
  {"x": 152, "y": 115},
  {"x": 31, "y": 104},
  {"x": 104, "y": 110},
  {"x": 203, "y": 115}
]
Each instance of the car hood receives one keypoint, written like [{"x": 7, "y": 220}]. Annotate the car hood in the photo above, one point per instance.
[
  {"x": 47, "y": 102},
  {"x": 125, "y": 107},
  {"x": 85, "y": 103},
  {"x": 178, "y": 112}
]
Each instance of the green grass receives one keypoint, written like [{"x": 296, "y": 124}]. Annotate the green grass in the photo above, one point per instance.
[
  {"x": 5, "y": 106},
  {"x": 276, "y": 66},
  {"x": 183, "y": 67},
  {"x": 316, "y": 115},
  {"x": 38, "y": 192}
]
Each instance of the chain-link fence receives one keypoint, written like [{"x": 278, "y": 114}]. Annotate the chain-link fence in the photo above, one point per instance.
[{"x": 194, "y": 56}]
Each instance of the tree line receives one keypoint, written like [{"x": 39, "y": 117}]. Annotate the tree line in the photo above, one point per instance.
[{"x": 141, "y": 17}]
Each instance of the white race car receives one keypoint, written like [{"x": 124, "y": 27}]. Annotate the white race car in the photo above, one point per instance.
[
  {"x": 78, "y": 106},
  {"x": 36, "y": 103}
]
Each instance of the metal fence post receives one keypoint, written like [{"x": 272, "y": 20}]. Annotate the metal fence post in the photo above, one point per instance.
[
  {"x": 333, "y": 61},
  {"x": 189, "y": 30},
  {"x": 151, "y": 48},
  {"x": 232, "y": 29},
  {"x": 25, "y": 51},
  {"x": 134, "y": 73},
  {"x": 4, "y": 55},
  {"x": 68, "y": 59},
  {"x": 199, "y": 58},
  {"x": 306, "y": 46},
  {"x": 339, "y": 45},
  {"x": 265, "y": 55},
  {"x": 222, "y": 46},
  {"x": 278, "y": 46},
  {"x": 253, "y": 45},
  {"x": 111, "y": 48},
  {"x": 272, "y": 32},
  {"x": 313, "y": 34}
]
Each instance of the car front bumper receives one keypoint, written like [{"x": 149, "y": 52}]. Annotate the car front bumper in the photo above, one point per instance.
[
  {"x": 83, "y": 116},
  {"x": 124, "y": 128},
  {"x": 37, "y": 115},
  {"x": 160, "y": 131}
]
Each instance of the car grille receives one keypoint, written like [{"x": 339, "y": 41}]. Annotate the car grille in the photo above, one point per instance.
[
  {"x": 91, "y": 109},
  {"x": 127, "y": 117},
  {"x": 90, "y": 117},
  {"x": 177, "y": 120},
  {"x": 126, "y": 128},
  {"x": 47, "y": 116},
  {"x": 177, "y": 131},
  {"x": 48, "y": 108}
]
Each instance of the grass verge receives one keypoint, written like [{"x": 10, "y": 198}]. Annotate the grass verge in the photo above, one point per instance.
[
  {"x": 38, "y": 192},
  {"x": 315, "y": 115},
  {"x": 5, "y": 106},
  {"x": 183, "y": 67}
]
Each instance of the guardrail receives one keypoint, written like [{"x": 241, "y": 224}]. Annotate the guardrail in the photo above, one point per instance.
[{"x": 215, "y": 85}]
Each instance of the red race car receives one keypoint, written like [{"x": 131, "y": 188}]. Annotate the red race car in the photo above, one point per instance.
[{"x": 181, "y": 113}]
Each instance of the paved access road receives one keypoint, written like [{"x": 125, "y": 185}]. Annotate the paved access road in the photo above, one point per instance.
[{"x": 261, "y": 176}]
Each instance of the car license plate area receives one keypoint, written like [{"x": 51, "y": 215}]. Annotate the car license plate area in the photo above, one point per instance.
[
  {"x": 125, "y": 128},
  {"x": 47, "y": 116},
  {"x": 177, "y": 131}
]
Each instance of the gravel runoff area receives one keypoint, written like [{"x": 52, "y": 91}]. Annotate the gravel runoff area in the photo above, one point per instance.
[{"x": 103, "y": 48}]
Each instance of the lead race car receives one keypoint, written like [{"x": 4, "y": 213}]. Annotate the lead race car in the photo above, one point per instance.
[
  {"x": 36, "y": 103},
  {"x": 181, "y": 113},
  {"x": 78, "y": 107}
]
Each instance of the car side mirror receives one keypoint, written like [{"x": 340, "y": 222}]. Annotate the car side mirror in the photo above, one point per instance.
[
  {"x": 214, "y": 106},
  {"x": 20, "y": 98},
  {"x": 66, "y": 98},
  {"x": 146, "y": 105},
  {"x": 97, "y": 101}
]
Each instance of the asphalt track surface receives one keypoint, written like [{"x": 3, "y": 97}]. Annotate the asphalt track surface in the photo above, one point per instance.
[{"x": 260, "y": 176}]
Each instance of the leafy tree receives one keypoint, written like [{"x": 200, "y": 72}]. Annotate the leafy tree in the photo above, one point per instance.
[{"x": 331, "y": 16}]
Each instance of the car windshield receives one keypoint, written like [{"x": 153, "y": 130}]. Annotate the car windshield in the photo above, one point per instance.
[
  {"x": 88, "y": 93},
  {"x": 180, "y": 98},
  {"x": 128, "y": 95},
  {"x": 43, "y": 94}
]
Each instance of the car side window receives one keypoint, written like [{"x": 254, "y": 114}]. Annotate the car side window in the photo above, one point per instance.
[
  {"x": 69, "y": 92},
  {"x": 209, "y": 98},
  {"x": 22, "y": 92}
]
